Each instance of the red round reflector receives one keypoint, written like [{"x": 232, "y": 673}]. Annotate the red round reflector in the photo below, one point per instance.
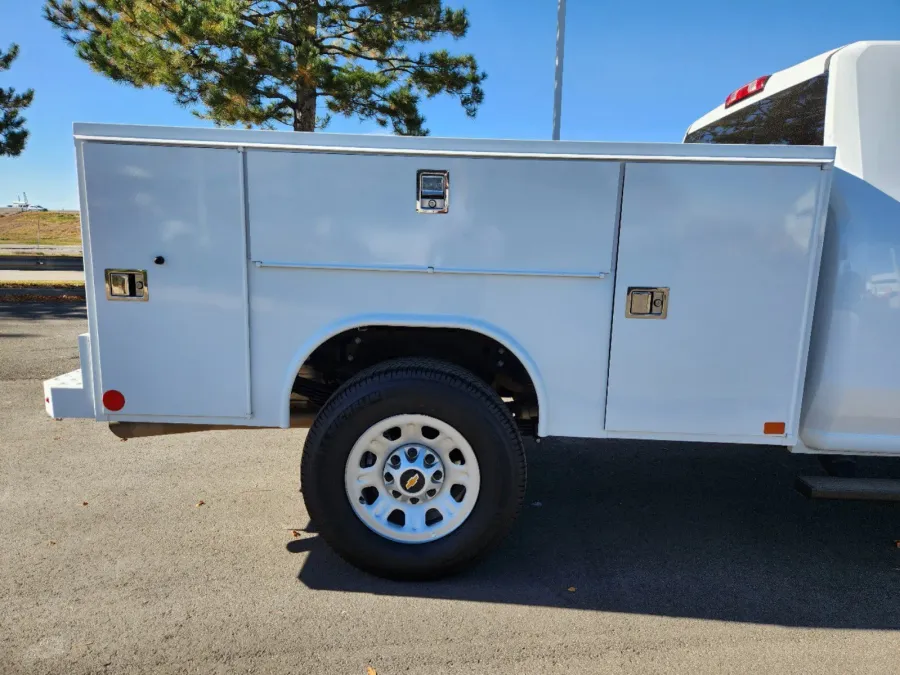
[{"x": 113, "y": 400}]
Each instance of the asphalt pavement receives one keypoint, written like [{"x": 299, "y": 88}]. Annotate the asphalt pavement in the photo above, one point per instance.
[
  {"x": 40, "y": 275},
  {"x": 194, "y": 553}
]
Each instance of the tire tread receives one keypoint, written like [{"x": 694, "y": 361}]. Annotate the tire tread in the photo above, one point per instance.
[{"x": 352, "y": 396}]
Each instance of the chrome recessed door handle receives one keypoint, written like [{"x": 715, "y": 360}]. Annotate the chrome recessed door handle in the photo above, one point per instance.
[
  {"x": 647, "y": 302},
  {"x": 126, "y": 285}
]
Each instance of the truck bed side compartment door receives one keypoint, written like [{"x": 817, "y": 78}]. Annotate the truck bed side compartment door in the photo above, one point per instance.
[
  {"x": 166, "y": 229},
  {"x": 712, "y": 303}
]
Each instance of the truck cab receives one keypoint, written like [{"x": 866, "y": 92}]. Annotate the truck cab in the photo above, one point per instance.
[{"x": 847, "y": 98}]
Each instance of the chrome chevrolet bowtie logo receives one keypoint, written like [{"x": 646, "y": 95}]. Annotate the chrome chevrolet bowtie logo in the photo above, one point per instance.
[{"x": 412, "y": 482}]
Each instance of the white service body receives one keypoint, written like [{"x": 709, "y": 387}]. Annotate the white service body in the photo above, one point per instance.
[
  {"x": 275, "y": 242},
  {"x": 852, "y": 395}
]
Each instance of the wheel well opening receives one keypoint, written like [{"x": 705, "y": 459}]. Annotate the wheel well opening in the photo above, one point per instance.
[{"x": 344, "y": 355}]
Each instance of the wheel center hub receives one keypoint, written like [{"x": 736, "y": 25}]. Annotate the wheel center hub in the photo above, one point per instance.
[
  {"x": 412, "y": 481},
  {"x": 413, "y": 473}
]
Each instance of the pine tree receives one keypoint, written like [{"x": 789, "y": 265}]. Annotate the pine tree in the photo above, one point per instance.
[
  {"x": 269, "y": 62},
  {"x": 13, "y": 133}
]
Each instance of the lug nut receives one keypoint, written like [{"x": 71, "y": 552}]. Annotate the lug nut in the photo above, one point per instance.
[
  {"x": 431, "y": 493},
  {"x": 395, "y": 462},
  {"x": 414, "y": 500},
  {"x": 396, "y": 494},
  {"x": 429, "y": 460},
  {"x": 388, "y": 477},
  {"x": 437, "y": 476},
  {"x": 411, "y": 454}
]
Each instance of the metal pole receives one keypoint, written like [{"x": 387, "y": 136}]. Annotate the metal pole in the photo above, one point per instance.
[{"x": 560, "y": 52}]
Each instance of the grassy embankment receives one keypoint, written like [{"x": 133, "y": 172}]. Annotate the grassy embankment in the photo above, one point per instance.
[{"x": 58, "y": 228}]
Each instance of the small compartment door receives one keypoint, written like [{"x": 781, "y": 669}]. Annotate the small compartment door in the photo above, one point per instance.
[
  {"x": 168, "y": 257},
  {"x": 712, "y": 301}
]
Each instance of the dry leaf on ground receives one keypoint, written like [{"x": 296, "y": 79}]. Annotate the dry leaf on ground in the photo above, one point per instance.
[
  {"x": 371, "y": 671},
  {"x": 201, "y": 503},
  {"x": 571, "y": 589}
]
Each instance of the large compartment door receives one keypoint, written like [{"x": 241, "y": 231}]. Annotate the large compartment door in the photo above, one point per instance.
[
  {"x": 719, "y": 260},
  {"x": 182, "y": 350}
]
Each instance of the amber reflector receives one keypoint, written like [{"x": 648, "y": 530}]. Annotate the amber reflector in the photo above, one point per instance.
[{"x": 774, "y": 428}]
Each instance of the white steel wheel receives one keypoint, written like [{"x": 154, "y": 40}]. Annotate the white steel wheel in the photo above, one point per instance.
[
  {"x": 412, "y": 478},
  {"x": 413, "y": 469}
]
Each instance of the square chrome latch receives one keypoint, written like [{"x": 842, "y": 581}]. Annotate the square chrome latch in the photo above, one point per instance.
[
  {"x": 432, "y": 191},
  {"x": 646, "y": 303},
  {"x": 127, "y": 285}
]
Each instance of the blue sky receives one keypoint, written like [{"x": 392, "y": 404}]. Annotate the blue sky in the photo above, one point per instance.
[{"x": 640, "y": 70}]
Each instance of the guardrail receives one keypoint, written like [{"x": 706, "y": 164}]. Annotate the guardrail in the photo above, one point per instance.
[{"x": 42, "y": 262}]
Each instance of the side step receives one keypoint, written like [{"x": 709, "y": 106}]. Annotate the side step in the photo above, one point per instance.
[
  {"x": 833, "y": 487},
  {"x": 71, "y": 395}
]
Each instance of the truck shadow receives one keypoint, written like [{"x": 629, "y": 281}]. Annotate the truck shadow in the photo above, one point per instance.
[
  {"x": 681, "y": 530},
  {"x": 42, "y": 310}
]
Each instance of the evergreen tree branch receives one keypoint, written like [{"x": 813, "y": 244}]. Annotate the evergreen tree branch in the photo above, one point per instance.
[
  {"x": 265, "y": 62},
  {"x": 13, "y": 134}
]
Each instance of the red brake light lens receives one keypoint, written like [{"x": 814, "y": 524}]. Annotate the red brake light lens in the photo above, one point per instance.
[{"x": 747, "y": 90}]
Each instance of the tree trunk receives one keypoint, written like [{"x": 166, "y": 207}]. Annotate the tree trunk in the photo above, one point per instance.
[
  {"x": 304, "y": 19},
  {"x": 305, "y": 110}
]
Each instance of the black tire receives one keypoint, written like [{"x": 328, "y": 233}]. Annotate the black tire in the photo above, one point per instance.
[{"x": 414, "y": 386}]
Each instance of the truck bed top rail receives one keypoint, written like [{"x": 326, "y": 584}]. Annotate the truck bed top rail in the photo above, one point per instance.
[{"x": 451, "y": 147}]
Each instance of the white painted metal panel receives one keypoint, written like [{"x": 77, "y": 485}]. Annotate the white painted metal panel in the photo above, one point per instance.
[
  {"x": 446, "y": 147},
  {"x": 72, "y": 394},
  {"x": 527, "y": 294},
  {"x": 852, "y": 399},
  {"x": 65, "y": 396},
  {"x": 184, "y": 351},
  {"x": 559, "y": 327},
  {"x": 738, "y": 247},
  {"x": 504, "y": 214},
  {"x": 863, "y": 99}
]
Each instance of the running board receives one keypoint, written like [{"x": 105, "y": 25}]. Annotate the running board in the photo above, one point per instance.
[{"x": 833, "y": 487}]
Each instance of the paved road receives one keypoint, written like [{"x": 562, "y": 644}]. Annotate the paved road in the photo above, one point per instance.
[
  {"x": 684, "y": 558},
  {"x": 40, "y": 275},
  {"x": 41, "y": 262}
]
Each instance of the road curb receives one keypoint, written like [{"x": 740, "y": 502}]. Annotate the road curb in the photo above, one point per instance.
[{"x": 42, "y": 294}]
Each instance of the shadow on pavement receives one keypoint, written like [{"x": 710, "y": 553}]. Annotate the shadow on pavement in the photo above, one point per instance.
[
  {"x": 681, "y": 530},
  {"x": 43, "y": 310}
]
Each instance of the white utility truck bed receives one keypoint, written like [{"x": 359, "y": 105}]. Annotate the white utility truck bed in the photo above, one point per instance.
[
  {"x": 275, "y": 242},
  {"x": 429, "y": 301}
]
